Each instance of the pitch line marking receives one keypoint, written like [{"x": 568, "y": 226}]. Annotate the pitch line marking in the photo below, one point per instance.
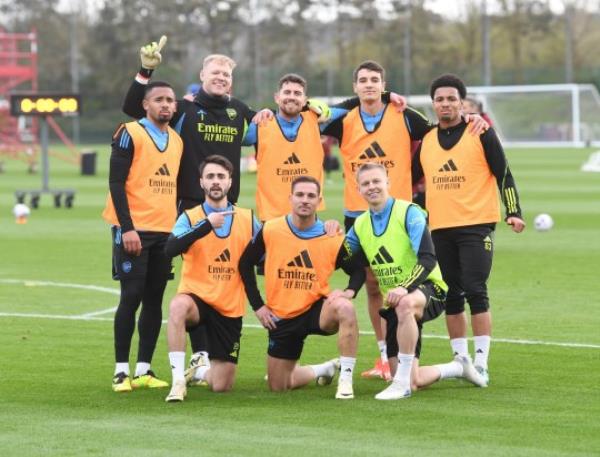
[
  {"x": 84, "y": 317},
  {"x": 99, "y": 313},
  {"x": 93, "y": 315},
  {"x": 35, "y": 283}
]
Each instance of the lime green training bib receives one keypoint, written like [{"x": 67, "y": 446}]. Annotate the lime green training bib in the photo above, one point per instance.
[{"x": 390, "y": 255}]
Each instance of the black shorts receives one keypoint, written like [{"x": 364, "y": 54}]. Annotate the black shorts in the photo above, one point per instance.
[
  {"x": 151, "y": 263},
  {"x": 223, "y": 333},
  {"x": 287, "y": 340},
  {"x": 434, "y": 307},
  {"x": 465, "y": 258}
]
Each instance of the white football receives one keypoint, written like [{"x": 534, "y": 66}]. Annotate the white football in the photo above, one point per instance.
[
  {"x": 21, "y": 210},
  {"x": 543, "y": 222}
]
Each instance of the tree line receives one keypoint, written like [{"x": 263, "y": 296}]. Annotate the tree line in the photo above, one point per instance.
[{"x": 94, "y": 45}]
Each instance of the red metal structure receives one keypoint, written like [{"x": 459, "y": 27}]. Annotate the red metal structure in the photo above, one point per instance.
[{"x": 18, "y": 72}]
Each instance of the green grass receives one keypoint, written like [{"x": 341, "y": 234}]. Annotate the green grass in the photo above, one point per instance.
[{"x": 55, "y": 396}]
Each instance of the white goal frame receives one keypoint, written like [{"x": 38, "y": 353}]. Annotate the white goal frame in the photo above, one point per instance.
[{"x": 578, "y": 130}]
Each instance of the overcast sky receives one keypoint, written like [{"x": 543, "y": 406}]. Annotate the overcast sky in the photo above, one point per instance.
[
  {"x": 452, "y": 8},
  {"x": 457, "y": 7}
]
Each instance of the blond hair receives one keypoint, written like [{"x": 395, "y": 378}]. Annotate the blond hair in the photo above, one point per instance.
[
  {"x": 370, "y": 166},
  {"x": 219, "y": 58}
]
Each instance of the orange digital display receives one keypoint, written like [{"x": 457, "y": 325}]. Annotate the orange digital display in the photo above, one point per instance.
[{"x": 43, "y": 104}]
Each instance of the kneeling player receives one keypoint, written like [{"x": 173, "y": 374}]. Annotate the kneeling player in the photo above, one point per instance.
[
  {"x": 299, "y": 260},
  {"x": 212, "y": 237}
]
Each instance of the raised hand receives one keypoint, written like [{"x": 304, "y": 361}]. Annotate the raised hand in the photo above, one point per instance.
[{"x": 150, "y": 53}]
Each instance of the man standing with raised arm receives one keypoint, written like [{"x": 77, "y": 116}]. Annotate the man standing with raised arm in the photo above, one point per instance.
[{"x": 213, "y": 123}]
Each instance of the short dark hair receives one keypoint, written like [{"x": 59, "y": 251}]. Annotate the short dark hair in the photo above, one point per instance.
[
  {"x": 306, "y": 178},
  {"x": 293, "y": 78},
  {"x": 154, "y": 84},
  {"x": 448, "y": 80},
  {"x": 369, "y": 65},
  {"x": 217, "y": 160}
]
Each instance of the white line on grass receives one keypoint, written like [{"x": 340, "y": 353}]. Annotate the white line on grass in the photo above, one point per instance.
[
  {"x": 99, "y": 313},
  {"x": 57, "y": 316},
  {"x": 93, "y": 316},
  {"x": 32, "y": 283}
]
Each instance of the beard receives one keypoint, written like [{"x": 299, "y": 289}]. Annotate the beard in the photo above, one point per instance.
[
  {"x": 291, "y": 110},
  {"x": 216, "y": 194}
]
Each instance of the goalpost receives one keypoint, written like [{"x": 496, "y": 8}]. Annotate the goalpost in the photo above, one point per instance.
[{"x": 546, "y": 115}]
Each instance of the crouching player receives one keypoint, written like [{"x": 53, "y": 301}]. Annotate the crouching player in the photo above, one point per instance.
[{"x": 392, "y": 238}]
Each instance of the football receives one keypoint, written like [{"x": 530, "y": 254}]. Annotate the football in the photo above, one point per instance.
[
  {"x": 21, "y": 213},
  {"x": 21, "y": 210},
  {"x": 543, "y": 222}
]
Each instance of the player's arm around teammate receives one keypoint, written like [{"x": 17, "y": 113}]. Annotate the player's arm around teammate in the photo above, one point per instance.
[{"x": 463, "y": 176}]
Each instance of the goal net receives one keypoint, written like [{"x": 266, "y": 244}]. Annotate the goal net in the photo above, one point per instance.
[
  {"x": 537, "y": 115},
  {"x": 560, "y": 115}
]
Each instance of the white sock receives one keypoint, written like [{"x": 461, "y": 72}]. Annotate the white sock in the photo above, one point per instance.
[
  {"x": 200, "y": 353},
  {"x": 141, "y": 368},
  {"x": 450, "y": 370},
  {"x": 482, "y": 350},
  {"x": 459, "y": 346},
  {"x": 382, "y": 350},
  {"x": 177, "y": 360},
  {"x": 200, "y": 374},
  {"x": 122, "y": 367},
  {"x": 402, "y": 375},
  {"x": 323, "y": 369},
  {"x": 347, "y": 367}
]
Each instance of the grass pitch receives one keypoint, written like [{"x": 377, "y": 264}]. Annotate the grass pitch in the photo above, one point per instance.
[{"x": 57, "y": 358}]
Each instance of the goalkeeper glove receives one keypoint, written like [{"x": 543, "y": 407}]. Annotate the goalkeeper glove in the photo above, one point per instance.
[
  {"x": 150, "y": 54},
  {"x": 321, "y": 109}
]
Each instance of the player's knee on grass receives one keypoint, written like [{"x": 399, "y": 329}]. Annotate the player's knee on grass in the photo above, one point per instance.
[
  {"x": 279, "y": 382},
  {"x": 221, "y": 376},
  {"x": 222, "y": 385}
]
